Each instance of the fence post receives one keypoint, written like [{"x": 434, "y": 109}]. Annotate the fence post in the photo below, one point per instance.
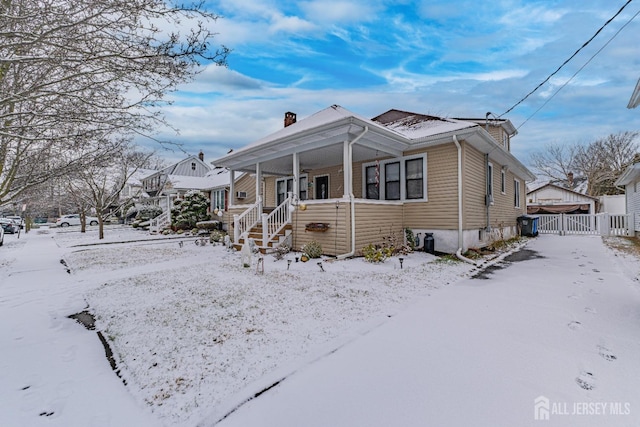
[
  {"x": 236, "y": 229},
  {"x": 605, "y": 225},
  {"x": 563, "y": 224},
  {"x": 265, "y": 230}
]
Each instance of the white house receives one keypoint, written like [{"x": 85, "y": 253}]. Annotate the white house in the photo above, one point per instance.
[
  {"x": 553, "y": 199},
  {"x": 630, "y": 179}
]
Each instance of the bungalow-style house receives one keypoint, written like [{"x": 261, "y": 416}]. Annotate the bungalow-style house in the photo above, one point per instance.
[
  {"x": 630, "y": 180},
  {"x": 554, "y": 199},
  {"x": 346, "y": 181}
]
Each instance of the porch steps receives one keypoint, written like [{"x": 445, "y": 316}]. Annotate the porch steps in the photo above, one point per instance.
[{"x": 256, "y": 234}]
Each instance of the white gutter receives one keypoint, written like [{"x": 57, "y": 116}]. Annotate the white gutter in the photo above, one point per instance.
[
  {"x": 351, "y": 197},
  {"x": 460, "y": 240}
]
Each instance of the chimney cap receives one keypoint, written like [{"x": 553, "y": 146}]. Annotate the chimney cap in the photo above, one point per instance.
[{"x": 289, "y": 118}]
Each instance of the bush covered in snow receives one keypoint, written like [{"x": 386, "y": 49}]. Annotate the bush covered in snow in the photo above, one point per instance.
[
  {"x": 143, "y": 212},
  {"x": 190, "y": 210}
]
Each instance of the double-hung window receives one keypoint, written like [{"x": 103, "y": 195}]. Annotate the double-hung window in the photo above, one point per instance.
[
  {"x": 285, "y": 185},
  {"x": 516, "y": 193},
  {"x": 401, "y": 178},
  {"x": 218, "y": 199}
]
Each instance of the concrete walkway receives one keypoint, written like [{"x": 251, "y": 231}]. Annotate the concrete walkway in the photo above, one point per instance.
[
  {"x": 559, "y": 330},
  {"x": 50, "y": 365}
]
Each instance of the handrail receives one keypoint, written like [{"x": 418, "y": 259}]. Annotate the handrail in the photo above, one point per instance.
[
  {"x": 157, "y": 222},
  {"x": 274, "y": 222},
  {"x": 246, "y": 220}
]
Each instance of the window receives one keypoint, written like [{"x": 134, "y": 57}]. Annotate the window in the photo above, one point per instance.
[
  {"x": 489, "y": 183},
  {"x": 505, "y": 141},
  {"x": 218, "y": 199},
  {"x": 392, "y": 181},
  {"x": 372, "y": 182},
  {"x": 413, "y": 177},
  {"x": 401, "y": 178},
  {"x": 285, "y": 185},
  {"x": 193, "y": 166},
  {"x": 516, "y": 193},
  {"x": 503, "y": 181}
]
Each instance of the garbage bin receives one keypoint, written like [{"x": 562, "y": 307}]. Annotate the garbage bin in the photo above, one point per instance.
[
  {"x": 528, "y": 225},
  {"x": 429, "y": 243}
]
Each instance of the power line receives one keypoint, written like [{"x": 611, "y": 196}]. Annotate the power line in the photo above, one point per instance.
[
  {"x": 579, "y": 69},
  {"x": 569, "y": 59}
]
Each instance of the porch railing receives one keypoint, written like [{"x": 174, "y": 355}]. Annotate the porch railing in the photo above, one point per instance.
[
  {"x": 158, "y": 222},
  {"x": 248, "y": 219},
  {"x": 274, "y": 222}
]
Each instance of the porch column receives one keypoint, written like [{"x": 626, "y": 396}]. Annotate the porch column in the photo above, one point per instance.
[
  {"x": 296, "y": 175},
  {"x": 346, "y": 169},
  {"x": 258, "y": 186},
  {"x": 232, "y": 187}
]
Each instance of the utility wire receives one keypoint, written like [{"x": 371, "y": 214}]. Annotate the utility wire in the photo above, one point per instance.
[
  {"x": 569, "y": 59},
  {"x": 580, "y": 69}
]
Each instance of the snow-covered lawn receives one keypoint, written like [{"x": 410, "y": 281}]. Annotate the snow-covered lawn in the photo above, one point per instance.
[{"x": 190, "y": 327}]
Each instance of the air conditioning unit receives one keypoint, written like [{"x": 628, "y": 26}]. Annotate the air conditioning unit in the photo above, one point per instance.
[{"x": 241, "y": 194}]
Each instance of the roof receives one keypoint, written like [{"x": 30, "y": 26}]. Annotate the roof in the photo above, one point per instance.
[
  {"x": 169, "y": 170},
  {"x": 630, "y": 174},
  {"x": 503, "y": 123},
  {"x": 635, "y": 97},
  {"x": 320, "y": 138},
  {"x": 217, "y": 178},
  {"x": 549, "y": 184}
]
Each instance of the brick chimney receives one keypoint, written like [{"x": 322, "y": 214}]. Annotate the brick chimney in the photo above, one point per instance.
[
  {"x": 289, "y": 118},
  {"x": 201, "y": 156},
  {"x": 570, "y": 179}
]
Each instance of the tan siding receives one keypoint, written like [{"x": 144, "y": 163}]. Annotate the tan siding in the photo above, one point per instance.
[
  {"x": 374, "y": 222},
  {"x": 336, "y": 239},
  {"x": 246, "y": 183},
  {"x": 441, "y": 209},
  {"x": 270, "y": 191},
  {"x": 473, "y": 188}
]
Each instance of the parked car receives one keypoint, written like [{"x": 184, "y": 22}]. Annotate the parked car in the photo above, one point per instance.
[
  {"x": 74, "y": 219},
  {"x": 9, "y": 226},
  {"x": 17, "y": 220}
]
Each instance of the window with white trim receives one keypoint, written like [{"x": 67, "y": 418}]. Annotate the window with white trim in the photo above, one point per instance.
[
  {"x": 392, "y": 181},
  {"x": 285, "y": 185},
  {"x": 400, "y": 178},
  {"x": 414, "y": 182},
  {"x": 503, "y": 181},
  {"x": 218, "y": 199},
  {"x": 516, "y": 193},
  {"x": 372, "y": 182},
  {"x": 490, "y": 182}
]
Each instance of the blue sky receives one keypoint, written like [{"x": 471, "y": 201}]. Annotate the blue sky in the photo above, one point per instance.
[{"x": 448, "y": 58}]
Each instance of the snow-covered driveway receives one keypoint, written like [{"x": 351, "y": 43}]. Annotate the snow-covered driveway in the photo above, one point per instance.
[{"x": 554, "y": 337}]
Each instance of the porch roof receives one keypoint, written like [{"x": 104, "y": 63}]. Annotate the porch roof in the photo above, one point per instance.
[{"x": 318, "y": 140}]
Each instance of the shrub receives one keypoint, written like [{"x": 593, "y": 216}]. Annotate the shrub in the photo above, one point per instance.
[
  {"x": 376, "y": 253},
  {"x": 208, "y": 225},
  {"x": 411, "y": 238},
  {"x": 312, "y": 249},
  {"x": 216, "y": 236}
]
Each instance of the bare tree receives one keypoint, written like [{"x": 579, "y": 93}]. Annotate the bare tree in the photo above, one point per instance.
[
  {"x": 98, "y": 186},
  {"x": 601, "y": 162},
  {"x": 86, "y": 70},
  {"x": 556, "y": 161}
]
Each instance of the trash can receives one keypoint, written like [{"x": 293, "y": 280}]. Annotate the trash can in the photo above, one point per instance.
[
  {"x": 429, "y": 243},
  {"x": 528, "y": 225}
]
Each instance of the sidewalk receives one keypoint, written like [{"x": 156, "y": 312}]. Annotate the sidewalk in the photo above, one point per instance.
[
  {"x": 65, "y": 361},
  {"x": 560, "y": 329}
]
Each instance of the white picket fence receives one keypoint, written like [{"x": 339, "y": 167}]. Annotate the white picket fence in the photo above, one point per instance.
[{"x": 602, "y": 224}]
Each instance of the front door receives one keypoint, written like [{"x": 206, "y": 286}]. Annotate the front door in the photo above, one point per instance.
[{"x": 322, "y": 187}]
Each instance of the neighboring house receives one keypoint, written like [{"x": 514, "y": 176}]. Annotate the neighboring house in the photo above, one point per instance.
[
  {"x": 630, "y": 180},
  {"x": 554, "y": 199},
  {"x": 160, "y": 185},
  {"x": 347, "y": 181}
]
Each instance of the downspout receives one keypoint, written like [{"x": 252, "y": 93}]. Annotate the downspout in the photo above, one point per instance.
[
  {"x": 351, "y": 197},
  {"x": 460, "y": 240}
]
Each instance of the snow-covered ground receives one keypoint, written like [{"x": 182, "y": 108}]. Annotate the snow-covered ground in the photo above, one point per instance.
[{"x": 196, "y": 335}]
